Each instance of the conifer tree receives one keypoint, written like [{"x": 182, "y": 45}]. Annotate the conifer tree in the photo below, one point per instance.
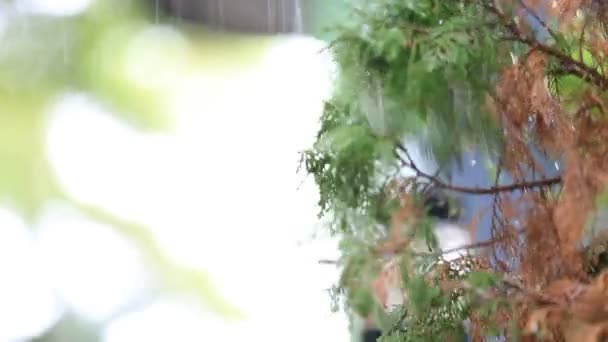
[{"x": 520, "y": 80}]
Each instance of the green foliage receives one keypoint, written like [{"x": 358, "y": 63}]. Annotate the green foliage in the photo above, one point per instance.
[
  {"x": 424, "y": 232},
  {"x": 424, "y": 69},
  {"x": 359, "y": 266},
  {"x": 409, "y": 65},
  {"x": 483, "y": 280},
  {"x": 319, "y": 16},
  {"x": 362, "y": 301},
  {"x": 343, "y": 161},
  {"x": 442, "y": 318},
  {"x": 402, "y": 66},
  {"x": 422, "y": 295},
  {"x": 406, "y": 69}
]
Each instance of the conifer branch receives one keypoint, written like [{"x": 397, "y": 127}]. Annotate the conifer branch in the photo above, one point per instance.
[
  {"x": 467, "y": 247},
  {"x": 398, "y": 324},
  {"x": 571, "y": 65},
  {"x": 542, "y": 23},
  {"x": 436, "y": 181}
]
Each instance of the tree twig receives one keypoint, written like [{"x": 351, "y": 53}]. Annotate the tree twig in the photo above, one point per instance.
[
  {"x": 474, "y": 190},
  {"x": 577, "y": 68},
  {"x": 475, "y": 245},
  {"x": 495, "y": 220},
  {"x": 538, "y": 19}
]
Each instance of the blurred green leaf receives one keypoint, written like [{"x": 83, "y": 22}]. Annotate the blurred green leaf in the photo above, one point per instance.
[
  {"x": 421, "y": 296},
  {"x": 362, "y": 302},
  {"x": 26, "y": 181},
  {"x": 175, "y": 277},
  {"x": 320, "y": 17},
  {"x": 483, "y": 279}
]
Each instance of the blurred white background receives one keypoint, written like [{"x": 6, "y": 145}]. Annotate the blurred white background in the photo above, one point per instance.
[{"x": 216, "y": 196}]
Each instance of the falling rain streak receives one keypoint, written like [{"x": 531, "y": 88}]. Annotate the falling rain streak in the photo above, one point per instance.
[
  {"x": 156, "y": 9},
  {"x": 268, "y": 15},
  {"x": 298, "y": 25},
  {"x": 244, "y": 16}
]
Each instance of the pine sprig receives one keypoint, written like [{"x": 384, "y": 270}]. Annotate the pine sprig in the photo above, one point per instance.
[{"x": 456, "y": 75}]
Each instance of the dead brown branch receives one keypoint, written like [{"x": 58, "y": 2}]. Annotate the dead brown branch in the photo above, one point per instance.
[
  {"x": 437, "y": 182},
  {"x": 571, "y": 65}
]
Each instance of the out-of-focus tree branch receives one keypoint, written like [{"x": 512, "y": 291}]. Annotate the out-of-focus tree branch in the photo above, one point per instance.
[{"x": 245, "y": 16}]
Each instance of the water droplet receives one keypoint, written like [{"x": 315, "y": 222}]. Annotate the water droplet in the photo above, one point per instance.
[
  {"x": 366, "y": 30},
  {"x": 473, "y": 162},
  {"x": 556, "y": 164}
]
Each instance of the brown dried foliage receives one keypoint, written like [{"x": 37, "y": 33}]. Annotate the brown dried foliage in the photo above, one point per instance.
[
  {"x": 554, "y": 293},
  {"x": 403, "y": 220},
  {"x": 578, "y": 312},
  {"x": 528, "y": 110}
]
